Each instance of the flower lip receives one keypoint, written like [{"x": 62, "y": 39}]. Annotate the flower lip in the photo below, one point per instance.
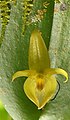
[
  {"x": 40, "y": 84},
  {"x": 40, "y": 81}
]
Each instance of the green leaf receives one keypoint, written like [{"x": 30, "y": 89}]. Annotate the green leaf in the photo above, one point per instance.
[
  {"x": 59, "y": 109},
  {"x": 14, "y": 57}
]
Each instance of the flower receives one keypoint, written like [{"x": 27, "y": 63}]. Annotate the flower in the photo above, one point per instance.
[{"x": 41, "y": 84}]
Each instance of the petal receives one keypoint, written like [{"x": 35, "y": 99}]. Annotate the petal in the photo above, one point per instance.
[
  {"x": 40, "y": 97},
  {"x": 29, "y": 89},
  {"x": 53, "y": 71},
  {"x": 25, "y": 73},
  {"x": 38, "y": 53},
  {"x": 48, "y": 91}
]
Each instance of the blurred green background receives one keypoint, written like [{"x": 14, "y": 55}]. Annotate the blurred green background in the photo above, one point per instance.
[{"x": 3, "y": 113}]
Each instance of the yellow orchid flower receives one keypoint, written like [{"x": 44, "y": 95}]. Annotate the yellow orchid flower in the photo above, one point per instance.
[{"x": 41, "y": 84}]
